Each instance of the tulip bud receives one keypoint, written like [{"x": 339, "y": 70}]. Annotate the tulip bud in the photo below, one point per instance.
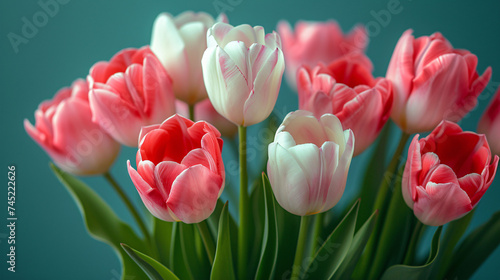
[
  {"x": 179, "y": 43},
  {"x": 318, "y": 42},
  {"x": 180, "y": 173},
  {"x": 309, "y": 161},
  {"x": 447, "y": 173},
  {"x": 432, "y": 82},
  {"x": 347, "y": 89},
  {"x": 242, "y": 69},
  {"x": 130, "y": 91},
  {"x": 489, "y": 124},
  {"x": 64, "y": 129}
]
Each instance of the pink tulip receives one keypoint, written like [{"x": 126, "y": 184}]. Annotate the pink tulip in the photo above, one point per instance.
[
  {"x": 130, "y": 91},
  {"x": 347, "y": 89},
  {"x": 432, "y": 81},
  {"x": 204, "y": 111},
  {"x": 242, "y": 70},
  {"x": 179, "y": 43},
  {"x": 447, "y": 173},
  {"x": 180, "y": 173},
  {"x": 315, "y": 42},
  {"x": 490, "y": 123},
  {"x": 309, "y": 161},
  {"x": 64, "y": 129}
]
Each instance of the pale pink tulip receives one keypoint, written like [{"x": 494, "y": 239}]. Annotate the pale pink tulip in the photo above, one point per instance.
[
  {"x": 180, "y": 173},
  {"x": 489, "y": 124},
  {"x": 64, "y": 129},
  {"x": 204, "y": 111},
  {"x": 309, "y": 161},
  {"x": 242, "y": 69},
  {"x": 318, "y": 42},
  {"x": 447, "y": 173},
  {"x": 347, "y": 89},
  {"x": 130, "y": 91},
  {"x": 179, "y": 43},
  {"x": 432, "y": 82}
]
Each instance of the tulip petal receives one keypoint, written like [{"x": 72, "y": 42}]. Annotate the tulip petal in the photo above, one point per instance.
[
  {"x": 266, "y": 85},
  {"x": 411, "y": 173},
  {"x": 446, "y": 75},
  {"x": 194, "y": 194},
  {"x": 339, "y": 179},
  {"x": 151, "y": 197},
  {"x": 441, "y": 203},
  {"x": 288, "y": 182}
]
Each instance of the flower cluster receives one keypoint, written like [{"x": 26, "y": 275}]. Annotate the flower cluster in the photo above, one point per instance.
[{"x": 202, "y": 79}]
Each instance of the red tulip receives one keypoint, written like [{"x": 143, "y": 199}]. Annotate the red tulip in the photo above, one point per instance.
[
  {"x": 447, "y": 173},
  {"x": 432, "y": 82},
  {"x": 130, "y": 91},
  {"x": 180, "y": 173},
  {"x": 315, "y": 42},
  {"x": 64, "y": 129},
  {"x": 490, "y": 123},
  {"x": 347, "y": 89}
]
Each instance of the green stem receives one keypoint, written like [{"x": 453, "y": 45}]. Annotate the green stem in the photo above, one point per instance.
[
  {"x": 244, "y": 230},
  {"x": 412, "y": 246},
  {"x": 318, "y": 226},
  {"x": 301, "y": 244},
  {"x": 207, "y": 240},
  {"x": 132, "y": 210},
  {"x": 191, "y": 112},
  {"x": 380, "y": 204}
]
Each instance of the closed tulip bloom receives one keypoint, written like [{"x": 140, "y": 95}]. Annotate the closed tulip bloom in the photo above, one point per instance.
[
  {"x": 309, "y": 161},
  {"x": 179, "y": 43},
  {"x": 432, "y": 82},
  {"x": 204, "y": 111},
  {"x": 64, "y": 129},
  {"x": 447, "y": 173},
  {"x": 130, "y": 91},
  {"x": 242, "y": 69},
  {"x": 314, "y": 42},
  {"x": 180, "y": 173},
  {"x": 347, "y": 89},
  {"x": 489, "y": 124}
]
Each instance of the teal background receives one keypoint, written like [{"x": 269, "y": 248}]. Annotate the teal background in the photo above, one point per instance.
[{"x": 51, "y": 239}]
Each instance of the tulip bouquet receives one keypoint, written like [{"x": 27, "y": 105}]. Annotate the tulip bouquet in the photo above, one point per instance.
[{"x": 201, "y": 81}]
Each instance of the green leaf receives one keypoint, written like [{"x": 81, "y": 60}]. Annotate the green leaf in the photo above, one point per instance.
[
  {"x": 270, "y": 239},
  {"x": 223, "y": 262},
  {"x": 163, "y": 236},
  {"x": 102, "y": 223},
  {"x": 153, "y": 269},
  {"x": 177, "y": 256},
  {"x": 374, "y": 173},
  {"x": 452, "y": 235},
  {"x": 193, "y": 251},
  {"x": 393, "y": 233},
  {"x": 416, "y": 272},
  {"x": 287, "y": 238},
  {"x": 358, "y": 245},
  {"x": 213, "y": 224},
  {"x": 476, "y": 248},
  {"x": 258, "y": 212},
  {"x": 333, "y": 252}
]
